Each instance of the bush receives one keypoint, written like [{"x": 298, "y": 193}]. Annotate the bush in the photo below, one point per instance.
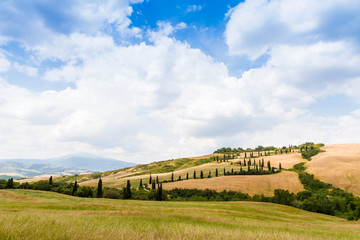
[{"x": 112, "y": 193}]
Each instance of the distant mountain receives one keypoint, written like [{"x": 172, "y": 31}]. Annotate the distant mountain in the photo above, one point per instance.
[{"x": 66, "y": 165}]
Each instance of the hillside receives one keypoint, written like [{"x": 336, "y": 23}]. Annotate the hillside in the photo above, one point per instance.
[
  {"x": 46, "y": 215},
  {"x": 66, "y": 165},
  {"x": 262, "y": 184},
  {"x": 338, "y": 165}
]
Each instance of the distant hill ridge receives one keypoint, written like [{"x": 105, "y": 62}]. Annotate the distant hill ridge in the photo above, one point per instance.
[{"x": 71, "y": 164}]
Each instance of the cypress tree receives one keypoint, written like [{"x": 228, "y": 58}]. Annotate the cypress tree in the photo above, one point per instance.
[
  {"x": 232, "y": 171},
  {"x": 280, "y": 166},
  {"x": 244, "y": 162},
  {"x": 150, "y": 179},
  {"x": 248, "y": 168},
  {"x": 153, "y": 185},
  {"x": 157, "y": 179},
  {"x": 194, "y": 174},
  {"x": 179, "y": 179},
  {"x": 224, "y": 172},
  {"x": 241, "y": 170},
  {"x": 209, "y": 176},
  {"x": 216, "y": 173},
  {"x": 50, "y": 181},
  {"x": 245, "y": 155},
  {"x": 201, "y": 174},
  {"x": 187, "y": 175},
  {"x": 127, "y": 190},
  {"x": 159, "y": 194},
  {"x": 172, "y": 177},
  {"x": 75, "y": 187},
  {"x": 99, "y": 192},
  {"x": 269, "y": 165},
  {"x": 140, "y": 184}
]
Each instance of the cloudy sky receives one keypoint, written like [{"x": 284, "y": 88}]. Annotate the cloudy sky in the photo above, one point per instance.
[{"x": 145, "y": 80}]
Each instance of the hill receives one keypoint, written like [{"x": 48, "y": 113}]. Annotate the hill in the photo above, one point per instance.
[
  {"x": 338, "y": 165},
  {"x": 47, "y": 215},
  {"x": 66, "y": 165}
]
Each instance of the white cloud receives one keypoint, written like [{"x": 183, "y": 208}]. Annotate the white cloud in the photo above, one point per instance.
[
  {"x": 194, "y": 8},
  {"x": 257, "y": 26}
]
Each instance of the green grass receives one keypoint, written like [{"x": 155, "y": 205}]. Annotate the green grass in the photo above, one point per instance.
[{"x": 46, "y": 215}]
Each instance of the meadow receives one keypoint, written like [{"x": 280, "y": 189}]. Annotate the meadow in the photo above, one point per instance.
[{"x": 29, "y": 214}]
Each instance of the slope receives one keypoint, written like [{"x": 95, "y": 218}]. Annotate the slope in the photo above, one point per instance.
[
  {"x": 338, "y": 165},
  {"x": 46, "y": 215}
]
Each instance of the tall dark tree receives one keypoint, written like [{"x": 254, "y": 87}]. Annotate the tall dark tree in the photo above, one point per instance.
[
  {"x": 179, "y": 179},
  {"x": 99, "y": 192},
  {"x": 150, "y": 179},
  {"x": 75, "y": 187},
  {"x": 172, "y": 177},
  {"x": 269, "y": 165},
  {"x": 127, "y": 190},
  {"x": 209, "y": 176},
  {"x": 153, "y": 185},
  {"x": 157, "y": 179},
  {"x": 194, "y": 174},
  {"x": 216, "y": 173},
  {"x": 10, "y": 183},
  {"x": 50, "y": 181},
  {"x": 244, "y": 162},
  {"x": 232, "y": 171},
  {"x": 140, "y": 184},
  {"x": 159, "y": 193},
  {"x": 224, "y": 172},
  {"x": 280, "y": 166},
  {"x": 201, "y": 174},
  {"x": 187, "y": 175}
]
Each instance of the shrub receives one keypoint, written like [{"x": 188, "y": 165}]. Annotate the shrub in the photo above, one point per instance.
[{"x": 112, "y": 193}]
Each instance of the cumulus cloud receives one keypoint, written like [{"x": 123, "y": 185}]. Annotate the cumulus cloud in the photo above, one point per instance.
[
  {"x": 35, "y": 22},
  {"x": 256, "y": 26}
]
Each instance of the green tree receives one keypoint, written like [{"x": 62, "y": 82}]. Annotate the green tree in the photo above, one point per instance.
[
  {"x": 140, "y": 184},
  {"x": 201, "y": 174},
  {"x": 159, "y": 193},
  {"x": 75, "y": 187},
  {"x": 216, "y": 172},
  {"x": 99, "y": 192},
  {"x": 50, "y": 181},
  {"x": 280, "y": 166},
  {"x": 172, "y": 177},
  {"x": 153, "y": 185},
  {"x": 269, "y": 165},
  {"x": 187, "y": 176},
  {"x": 127, "y": 190},
  {"x": 194, "y": 174},
  {"x": 10, "y": 183},
  {"x": 150, "y": 179}
]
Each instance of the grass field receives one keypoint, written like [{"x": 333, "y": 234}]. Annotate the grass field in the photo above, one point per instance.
[
  {"x": 45, "y": 215},
  {"x": 258, "y": 184},
  {"x": 338, "y": 165}
]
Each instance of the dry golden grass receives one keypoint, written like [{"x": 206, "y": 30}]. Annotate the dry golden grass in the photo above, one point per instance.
[
  {"x": 338, "y": 165},
  {"x": 251, "y": 184}
]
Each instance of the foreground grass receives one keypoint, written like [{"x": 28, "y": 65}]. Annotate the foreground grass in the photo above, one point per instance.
[{"x": 47, "y": 215}]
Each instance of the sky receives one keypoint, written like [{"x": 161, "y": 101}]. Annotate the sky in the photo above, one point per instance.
[{"x": 147, "y": 80}]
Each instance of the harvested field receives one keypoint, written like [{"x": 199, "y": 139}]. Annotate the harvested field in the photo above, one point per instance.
[
  {"x": 338, "y": 165},
  {"x": 251, "y": 184},
  {"x": 287, "y": 160}
]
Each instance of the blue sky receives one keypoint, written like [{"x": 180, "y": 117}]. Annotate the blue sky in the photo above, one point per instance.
[{"x": 149, "y": 80}]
